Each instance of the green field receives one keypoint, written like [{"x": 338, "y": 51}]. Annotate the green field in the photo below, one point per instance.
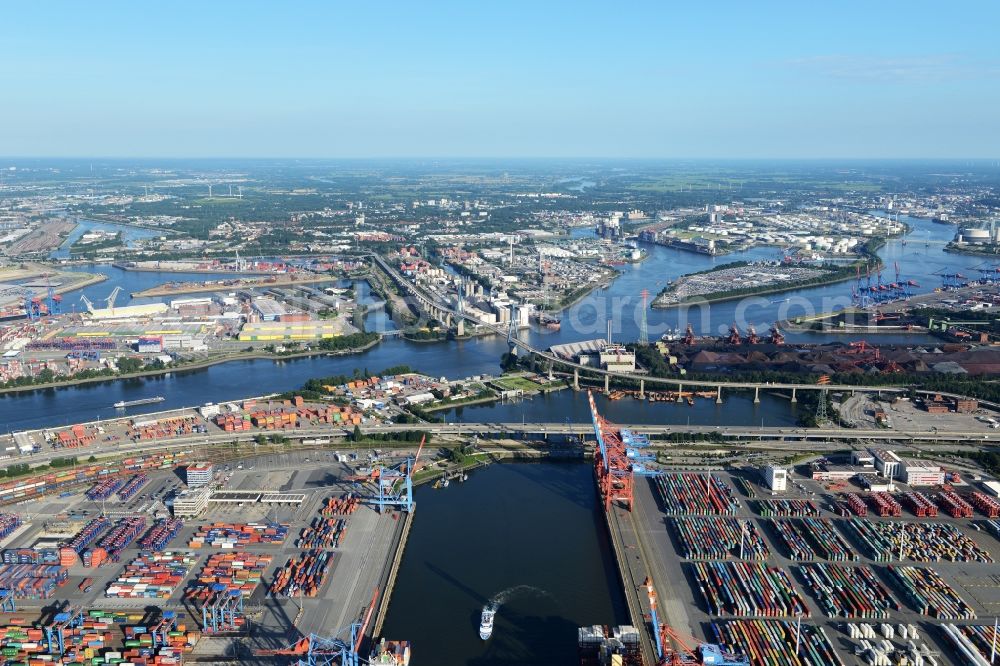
[{"x": 515, "y": 383}]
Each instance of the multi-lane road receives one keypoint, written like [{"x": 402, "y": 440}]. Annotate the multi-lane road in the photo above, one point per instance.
[{"x": 780, "y": 437}]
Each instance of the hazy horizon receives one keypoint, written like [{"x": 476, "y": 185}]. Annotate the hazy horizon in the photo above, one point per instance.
[{"x": 454, "y": 80}]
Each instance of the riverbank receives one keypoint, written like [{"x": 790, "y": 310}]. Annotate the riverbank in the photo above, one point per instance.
[
  {"x": 200, "y": 365},
  {"x": 978, "y": 251}
]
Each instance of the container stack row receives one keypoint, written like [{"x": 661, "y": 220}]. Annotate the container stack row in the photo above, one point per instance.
[
  {"x": 302, "y": 576},
  {"x": 151, "y": 576},
  {"x": 322, "y": 533},
  {"x": 696, "y": 494},
  {"x": 930, "y": 595},
  {"x": 88, "y": 534},
  {"x": 952, "y": 504},
  {"x": 987, "y": 505},
  {"x": 238, "y": 535},
  {"x": 344, "y": 505},
  {"x": 786, "y": 508},
  {"x": 161, "y": 534},
  {"x": 920, "y": 542},
  {"x": 850, "y": 592},
  {"x": 235, "y": 571},
  {"x": 920, "y": 504},
  {"x": 856, "y": 504},
  {"x": 105, "y": 488},
  {"x": 747, "y": 589},
  {"x": 886, "y": 505},
  {"x": 767, "y": 641},
  {"x": 132, "y": 486},
  {"x": 8, "y": 523},
  {"x": 31, "y": 556},
  {"x": 124, "y": 533},
  {"x": 32, "y": 581},
  {"x": 793, "y": 540},
  {"x": 716, "y": 538}
]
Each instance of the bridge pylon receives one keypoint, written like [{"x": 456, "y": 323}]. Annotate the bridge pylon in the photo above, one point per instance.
[{"x": 512, "y": 332}]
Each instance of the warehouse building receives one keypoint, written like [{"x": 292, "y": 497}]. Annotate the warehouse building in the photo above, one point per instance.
[{"x": 268, "y": 309}]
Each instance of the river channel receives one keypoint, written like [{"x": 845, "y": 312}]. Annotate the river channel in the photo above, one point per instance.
[
  {"x": 919, "y": 259},
  {"x": 530, "y": 535}
]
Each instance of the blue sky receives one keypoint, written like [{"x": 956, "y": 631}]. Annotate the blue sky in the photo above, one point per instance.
[{"x": 476, "y": 78}]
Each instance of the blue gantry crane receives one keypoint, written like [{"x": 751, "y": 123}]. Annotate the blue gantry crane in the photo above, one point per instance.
[
  {"x": 315, "y": 650},
  {"x": 223, "y": 610},
  {"x": 395, "y": 486},
  {"x": 55, "y": 636}
]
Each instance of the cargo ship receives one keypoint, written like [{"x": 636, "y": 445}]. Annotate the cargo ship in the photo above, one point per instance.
[
  {"x": 549, "y": 321},
  {"x": 486, "y": 625},
  {"x": 122, "y": 404}
]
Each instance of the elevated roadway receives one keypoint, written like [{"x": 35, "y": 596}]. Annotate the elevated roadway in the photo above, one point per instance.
[{"x": 433, "y": 305}]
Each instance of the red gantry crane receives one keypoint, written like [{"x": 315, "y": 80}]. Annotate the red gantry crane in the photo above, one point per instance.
[{"x": 612, "y": 467}]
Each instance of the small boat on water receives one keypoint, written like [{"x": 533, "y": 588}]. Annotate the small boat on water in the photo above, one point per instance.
[
  {"x": 122, "y": 404},
  {"x": 486, "y": 624}
]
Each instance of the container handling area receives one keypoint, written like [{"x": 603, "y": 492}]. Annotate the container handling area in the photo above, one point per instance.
[
  {"x": 720, "y": 568},
  {"x": 287, "y": 560}
]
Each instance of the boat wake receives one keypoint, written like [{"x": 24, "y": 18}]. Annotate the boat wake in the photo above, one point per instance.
[
  {"x": 498, "y": 600},
  {"x": 501, "y": 598}
]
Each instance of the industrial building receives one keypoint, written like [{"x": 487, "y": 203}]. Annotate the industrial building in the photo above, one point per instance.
[
  {"x": 191, "y": 502},
  {"x": 277, "y": 331},
  {"x": 887, "y": 463},
  {"x": 776, "y": 478},
  {"x": 128, "y": 311},
  {"x": 268, "y": 309},
  {"x": 198, "y": 474},
  {"x": 920, "y": 473}
]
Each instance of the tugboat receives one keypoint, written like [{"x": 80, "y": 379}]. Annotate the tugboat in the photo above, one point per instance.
[{"x": 486, "y": 625}]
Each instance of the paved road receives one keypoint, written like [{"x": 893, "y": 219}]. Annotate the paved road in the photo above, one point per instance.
[{"x": 781, "y": 436}]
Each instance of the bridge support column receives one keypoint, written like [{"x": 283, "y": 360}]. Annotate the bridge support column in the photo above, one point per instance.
[
  {"x": 718, "y": 395},
  {"x": 607, "y": 384},
  {"x": 576, "y": 379},
  {"x": 794, "y": 400},
  {"x": 680, "y": 390},
  {"x": 756, "y": 394},
  {"x": 550, "y": 372},
  {"x": 642, "y": 389},
  {"x": 460, "y": 332}
]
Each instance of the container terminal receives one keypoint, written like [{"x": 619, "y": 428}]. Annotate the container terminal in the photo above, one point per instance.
[
  {"x": 769, "y": 565},
  {"x": 270, "y": 557},
  {"x": 267, "y": 559}
]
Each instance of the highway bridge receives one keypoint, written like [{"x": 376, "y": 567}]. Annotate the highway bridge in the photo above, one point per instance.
[{"x": 432, "y": 305}]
